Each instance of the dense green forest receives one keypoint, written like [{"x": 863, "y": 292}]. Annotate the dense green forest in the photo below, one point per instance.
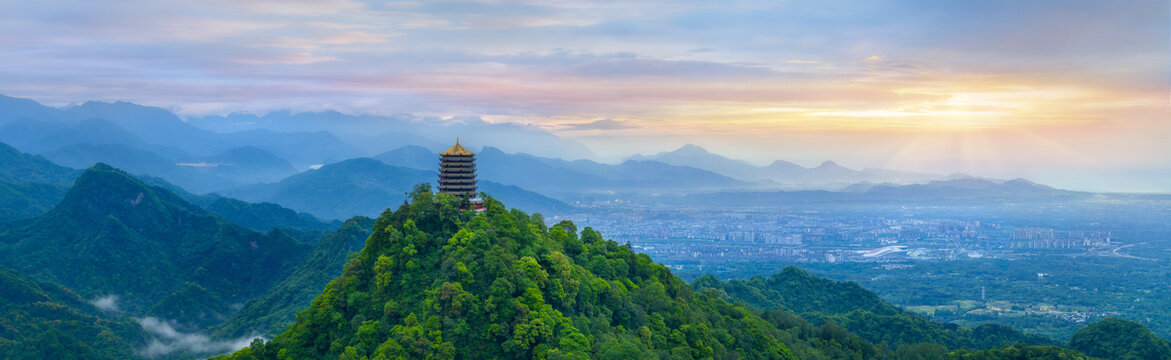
[
  {"x": 20, "y": 167},
  {"x": 1120, "y": 339},
  {"x": 860, "y": 311},
  {"x": 436, "y": 282},
  {"x": 1053, "y": 296},
  {"x": 430, "y": 280},
  {"x": 270, "y": 313},
  {"x": 29, "y": 184},
  {"x": 114, "y": 235},
  {"x": 45, "y": 321}
]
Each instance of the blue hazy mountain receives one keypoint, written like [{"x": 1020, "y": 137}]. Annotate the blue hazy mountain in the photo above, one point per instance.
[
  {"x": 231, "y": 168},
  {"x": 34, "y": 128},
  {"x": 698, "y": 157},
  {"x": 30, "y": 185},
  {"x": 115, "y": 235},
  {"x": 256, "y": 216},
  {"x": 139, "y": 162},
  {"x": 826, "y": 175},
  {"x": 19, "y": 110},
  {"x": 533, "y": 172},
  {"x": 22, "y": 168},
  {"x": 366, "y": 187},
  {"x": 301, "y": 149},
  {"x": 243, "y": 165},
  {"x": 341, "y": 190},
  {"x": 376, "y": 134},
  {"x": 556, "y": 176},
  {"x": 964, "y": 190},
  {"x": 568, "y": 179},
  {"x": 411, "y": 156},
  {"x": 373, "y": 144},
  {"x": 40, "y": 136},
  {"x": 151, "y": 124}
]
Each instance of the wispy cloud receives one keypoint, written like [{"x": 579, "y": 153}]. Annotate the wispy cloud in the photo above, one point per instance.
[
  {"x": 603, "y": 124},
  {"x": 293, "y": 58},
  {"x": 106, "y": 303},
  {"x": 676, "y": 68},
  {"x": 165, "y": 340}
]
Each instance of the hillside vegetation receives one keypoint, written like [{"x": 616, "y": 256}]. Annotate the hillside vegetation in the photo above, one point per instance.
[
  {"x": 437, "y": 282},
  {"x": 860, "y": 311},
  {"x": 113, "y": 235}
]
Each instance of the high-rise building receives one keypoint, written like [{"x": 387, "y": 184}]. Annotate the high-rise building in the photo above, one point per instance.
[{"x": 457, "y": 174}]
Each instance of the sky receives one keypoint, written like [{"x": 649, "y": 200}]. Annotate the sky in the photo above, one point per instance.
[{"x": 1075, "y": 94}]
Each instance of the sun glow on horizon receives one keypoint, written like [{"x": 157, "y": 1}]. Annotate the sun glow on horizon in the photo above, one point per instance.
[{"x": 890, "y": 82}]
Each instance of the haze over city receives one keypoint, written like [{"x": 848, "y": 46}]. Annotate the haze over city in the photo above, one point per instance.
[{"x": 1072, "y": 94}]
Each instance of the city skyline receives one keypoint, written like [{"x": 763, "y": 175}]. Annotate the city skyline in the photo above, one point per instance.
[{"x": 1071, "y": 94}]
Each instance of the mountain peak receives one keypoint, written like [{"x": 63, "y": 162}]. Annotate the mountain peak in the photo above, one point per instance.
[
  {"x": 829, "y": 164},
  {"x": 490, "y": 150},
  {"x": 511, "y": 296},
  {"x": 959, "y": 175},
  {"x": 691, "y": 149},
  {"x": 103, "y": 190}
]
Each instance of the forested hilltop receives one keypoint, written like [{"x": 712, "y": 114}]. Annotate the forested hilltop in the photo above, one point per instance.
[
  {"x": 429, "y": 280},
  {"x": 437, "y": 282}
]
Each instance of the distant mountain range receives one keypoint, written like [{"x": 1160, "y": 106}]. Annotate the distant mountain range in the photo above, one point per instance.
[
  {"x": 100, "y": 263},
  {"x": 828, "y": 175},
  {"x": 568, "y": 179},
  {"x": 263, "y": 158},
  {"x": 34, "y": 128},
  {"x": 366, "y": 187},
  {"x": 31, "y": 185},
  {"x": 231, "y": 168},
  {"x": 970, "y": 190},
  {"x": 375, "y": 134}
]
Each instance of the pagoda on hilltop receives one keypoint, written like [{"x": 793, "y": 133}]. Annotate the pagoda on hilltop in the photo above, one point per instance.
[{"x": 457, "y": 175}]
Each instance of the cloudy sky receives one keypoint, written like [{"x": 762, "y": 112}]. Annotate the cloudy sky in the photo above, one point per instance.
[{"x": 1070, "y": 93}]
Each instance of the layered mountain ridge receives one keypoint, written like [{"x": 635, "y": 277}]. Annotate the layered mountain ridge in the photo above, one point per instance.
[{"x": 114, "y": 235}]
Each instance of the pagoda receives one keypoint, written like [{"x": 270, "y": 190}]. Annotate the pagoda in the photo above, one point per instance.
[{"x": 457, "y": 174}]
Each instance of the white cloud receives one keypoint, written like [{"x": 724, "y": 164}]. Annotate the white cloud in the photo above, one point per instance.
[
  {"x": 106, "y": 303},
  {"x": 166, "y": 340}
]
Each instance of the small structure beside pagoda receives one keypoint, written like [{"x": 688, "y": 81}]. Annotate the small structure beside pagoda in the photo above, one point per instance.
[{"x": 457, "y": 175}]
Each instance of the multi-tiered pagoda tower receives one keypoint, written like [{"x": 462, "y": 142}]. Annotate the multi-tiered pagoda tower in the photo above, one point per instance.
[{"x": 457, "y": 174}]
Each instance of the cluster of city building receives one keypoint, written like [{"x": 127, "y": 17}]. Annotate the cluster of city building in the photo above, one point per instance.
[{"x": 674, "y": 234}]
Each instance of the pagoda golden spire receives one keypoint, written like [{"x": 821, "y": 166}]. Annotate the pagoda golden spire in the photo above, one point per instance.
[{"x": 457, "y": 150}]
